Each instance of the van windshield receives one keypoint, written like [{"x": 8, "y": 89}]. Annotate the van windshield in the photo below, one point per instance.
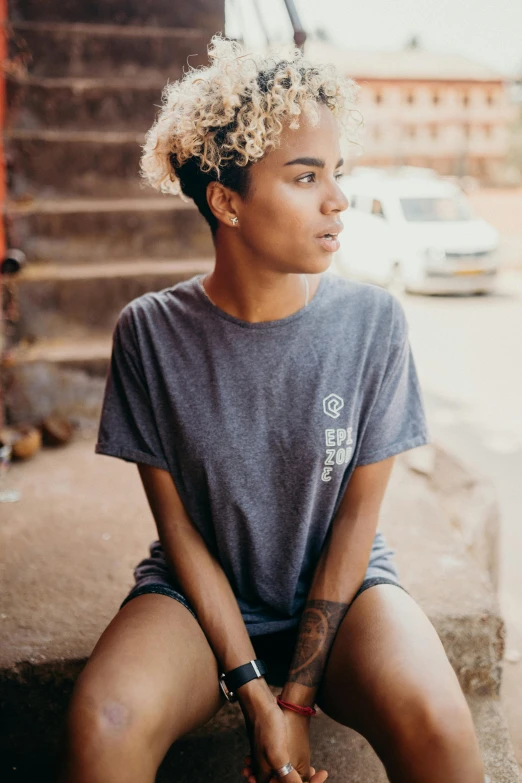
[{"x": 433, "y": 209}]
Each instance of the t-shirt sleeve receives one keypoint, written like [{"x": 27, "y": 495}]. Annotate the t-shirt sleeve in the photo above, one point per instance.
[
  {"x": 396, "y": 421},
  {"x": 127, "y": 427}
]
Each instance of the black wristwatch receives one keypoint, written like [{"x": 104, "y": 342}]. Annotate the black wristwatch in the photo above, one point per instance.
[{"x": 235, "y": 678}]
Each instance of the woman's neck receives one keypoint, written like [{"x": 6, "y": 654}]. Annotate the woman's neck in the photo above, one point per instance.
[
  {"x": 264, "y": 296},
  {"x": 247, "y": 290}
]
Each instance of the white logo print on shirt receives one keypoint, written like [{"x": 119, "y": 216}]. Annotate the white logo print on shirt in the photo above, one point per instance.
[
  {"x": 339, "y": 441},
  {"x": 332, "y": 405}
]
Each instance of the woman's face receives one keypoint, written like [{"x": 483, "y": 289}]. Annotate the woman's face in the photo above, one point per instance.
[{"x": 294, "y": 200}]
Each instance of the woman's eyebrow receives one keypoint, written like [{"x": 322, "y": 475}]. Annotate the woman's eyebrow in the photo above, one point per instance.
[{"x": 317, "y": 162}]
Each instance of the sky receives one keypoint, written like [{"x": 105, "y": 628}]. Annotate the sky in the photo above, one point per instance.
[{"x": 488, "y": 31}]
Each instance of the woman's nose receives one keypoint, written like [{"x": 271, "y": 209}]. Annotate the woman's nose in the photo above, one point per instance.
[
  {"x": 343, "y": 199},
  {"x": 337, "y": 201}
]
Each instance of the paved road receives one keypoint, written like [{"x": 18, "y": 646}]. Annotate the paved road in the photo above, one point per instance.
[{"x": 468, "y": 352}]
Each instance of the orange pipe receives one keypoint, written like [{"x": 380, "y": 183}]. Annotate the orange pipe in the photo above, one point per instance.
[{"x": 3, "y": 58}]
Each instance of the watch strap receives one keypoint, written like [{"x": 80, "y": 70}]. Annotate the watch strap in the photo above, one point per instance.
[{"x": 239, "y": 676}]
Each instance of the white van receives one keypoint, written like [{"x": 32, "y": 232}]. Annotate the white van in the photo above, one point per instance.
[{"x": 418, "y": 233}]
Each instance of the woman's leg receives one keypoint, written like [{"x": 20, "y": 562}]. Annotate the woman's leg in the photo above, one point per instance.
[
  {"x": 151, "y": 678},
  {"x": 388, "y": 678}
]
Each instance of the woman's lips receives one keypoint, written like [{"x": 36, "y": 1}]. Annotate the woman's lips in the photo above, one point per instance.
[{"x": 330, "y": 244}]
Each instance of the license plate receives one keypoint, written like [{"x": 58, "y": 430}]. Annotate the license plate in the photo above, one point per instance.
[{"x": 468, "y": 271}]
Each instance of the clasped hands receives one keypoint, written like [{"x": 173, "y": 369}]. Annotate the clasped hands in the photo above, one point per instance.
[{"x": 278, "y": 736}]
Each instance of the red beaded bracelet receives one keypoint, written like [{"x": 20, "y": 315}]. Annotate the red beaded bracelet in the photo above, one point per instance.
[{"x": 308, "y": 711}]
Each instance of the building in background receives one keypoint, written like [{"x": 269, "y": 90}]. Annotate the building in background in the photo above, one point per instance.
[{"x": 423, "y": 108}]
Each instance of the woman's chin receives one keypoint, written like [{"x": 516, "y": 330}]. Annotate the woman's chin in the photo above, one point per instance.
[
  {"x": 321, "y": 264},
  {"x": 315, "y": 265}
]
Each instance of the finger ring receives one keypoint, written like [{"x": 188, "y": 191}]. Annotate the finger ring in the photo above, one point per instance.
[{"x": 282, "y": 771}]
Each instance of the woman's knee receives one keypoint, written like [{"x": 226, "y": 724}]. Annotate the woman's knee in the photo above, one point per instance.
[
  {"x": 438, "y": 724},
  {"x": 104, "y": 721}
]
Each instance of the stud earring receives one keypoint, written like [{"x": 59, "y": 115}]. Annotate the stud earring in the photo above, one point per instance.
[{"x": 234, "y": 220}]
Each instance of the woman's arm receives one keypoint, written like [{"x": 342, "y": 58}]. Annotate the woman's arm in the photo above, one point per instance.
[
  {"x": 204, "y": 584},
  {"x": 208, "y": 590},
  {"x": 337, "y": 577}
]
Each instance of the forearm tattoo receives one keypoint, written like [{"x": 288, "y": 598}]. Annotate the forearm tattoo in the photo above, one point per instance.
[{"x": 319, "y": 623}]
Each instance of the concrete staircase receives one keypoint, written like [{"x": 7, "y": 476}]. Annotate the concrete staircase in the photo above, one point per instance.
[{"x": 93, "y": 236}]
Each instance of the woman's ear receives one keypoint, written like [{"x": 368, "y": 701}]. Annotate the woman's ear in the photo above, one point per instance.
[{"x": 223, "y": 203}]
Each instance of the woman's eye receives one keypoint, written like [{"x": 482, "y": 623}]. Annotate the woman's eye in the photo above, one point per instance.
[{"x": 311, "y": 177}]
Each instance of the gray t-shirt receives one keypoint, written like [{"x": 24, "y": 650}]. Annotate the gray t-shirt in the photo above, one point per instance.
[{"x": 262, "y": 424}]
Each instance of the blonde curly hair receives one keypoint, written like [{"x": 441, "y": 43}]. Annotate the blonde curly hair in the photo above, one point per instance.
[{"x": 217, "y": 120}]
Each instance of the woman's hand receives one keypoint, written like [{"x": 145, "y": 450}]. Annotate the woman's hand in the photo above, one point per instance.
[
  {"x": 295, "y": 729},
  {"x": 269, "y": 750},
  {"x": 298, "y": 738}
]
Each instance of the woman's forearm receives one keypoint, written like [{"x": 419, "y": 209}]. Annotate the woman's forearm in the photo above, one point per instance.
[
  {"x": 319, "y": 623},
  {"x": 209, "y": 592},
  {"x": 337, "y": 577},
  {"x": 203, "y": 582}
]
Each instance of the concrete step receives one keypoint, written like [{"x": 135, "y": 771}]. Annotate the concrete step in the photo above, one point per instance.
[
  {"x": 89, "y": 230},
  {"x": 64, "y": 332},
  {"x": 61, "y": 528},
  {"x": 90, "y": 354},
  {"x": 459, "y": 600},
  {"x": 106, "y": 164},
  {"x": 110, "y": 103},
  {"x": 222, "y": 745},
  {"x": 87, "y": 50},
  {"x": 442, "y": 573},
  {"x": 55, "y": 300},
  {"x": 64, "y": 375},
  {"x": 344, "y": 753},
  {"x": 207, "y": 14}
]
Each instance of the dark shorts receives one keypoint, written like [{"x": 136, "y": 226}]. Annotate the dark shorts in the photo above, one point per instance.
[
  {"x": 153, "y": 575},
  {"x": 275, "y": 649}
]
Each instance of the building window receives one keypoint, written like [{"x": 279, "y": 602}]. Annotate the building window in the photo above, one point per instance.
[
  {"x": 435, "y": 98},
  {"x": 434, "y": 132},
  {"x": 487, "y": 131},
  {"x": 465, "y": 99},
  {"x": 412, "y": 131},
  {"x": 410, "y": 98},
  {"x": 490, "y": 99},
  {"x": 378, "y": 97}
]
